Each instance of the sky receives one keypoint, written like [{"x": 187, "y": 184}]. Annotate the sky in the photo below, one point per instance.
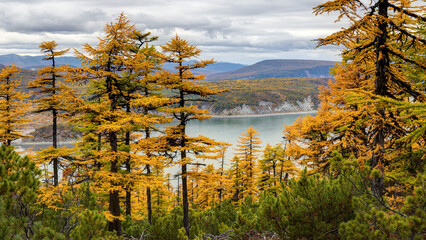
[{"x": 239, "y": 31}]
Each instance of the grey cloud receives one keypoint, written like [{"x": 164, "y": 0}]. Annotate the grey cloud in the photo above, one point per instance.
[
  {"x": 220, "y": 25},
  {"x": 54, "y": 22}
]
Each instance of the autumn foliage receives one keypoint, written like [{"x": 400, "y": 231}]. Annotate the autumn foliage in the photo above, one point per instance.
[{"x": 354, "y": 170}]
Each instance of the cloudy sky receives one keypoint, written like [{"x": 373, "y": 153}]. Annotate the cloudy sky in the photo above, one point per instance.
[{"x": 241, "y": 31}]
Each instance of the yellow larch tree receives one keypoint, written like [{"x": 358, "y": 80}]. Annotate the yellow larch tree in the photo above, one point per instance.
[
  {"x": 186, "y": 91},
  {"x": 208, "y": 187},
  {"x": 13, "y": 106},
  {"x": 235, "y": 174},
  {"x": 113, "y": 72},
  {"x": 357, "y": 114},
  {"x": 247, "y": 151},
  {"x": 338, "y": 126},
  {"x": 143, "y": 95},
  {"x": 274, "y": 168},
  {"x": 52, "y": 97}
]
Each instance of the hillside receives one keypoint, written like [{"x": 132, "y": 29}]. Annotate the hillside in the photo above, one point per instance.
[
  {"x": 260, "y": 96},
  {"x": 215, "y": 68},
  {"x": 250, "y": 96},
  {"x": 281, "y": 68},
  {"x": 25, "y": 75},
  {"x": 34, "y": 62}
]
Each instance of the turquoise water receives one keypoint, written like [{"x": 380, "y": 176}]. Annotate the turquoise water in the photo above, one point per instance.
[{"x": 270, "y": 129}]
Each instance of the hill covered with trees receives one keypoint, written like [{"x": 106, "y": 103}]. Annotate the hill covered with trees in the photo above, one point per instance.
[
  {"x": 262, "y": 96},
  {"x": 279, "y": 68}
]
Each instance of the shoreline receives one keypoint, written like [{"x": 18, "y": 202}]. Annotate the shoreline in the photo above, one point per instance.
[
  {"x": 23, "y": 143},
  {"x": 263, "y": 114}
]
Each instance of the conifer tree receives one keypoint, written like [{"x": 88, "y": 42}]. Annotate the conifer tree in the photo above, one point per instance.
[
  {"x": 186, "y": 91},
  {"x": 274, "y": 168},
  {"x": 247, "y": 149},
  {"x": 53, "y": 94},
  {"x": 235, "y": 173},
  {"x": 12, "y": 106},
  {"x": 378, "y": 47},
  {"x": 143, "y": 96},
  {"x": 384, "y": 33},
  {"x": 19, "y": 188},
  {"x": 113, "y": 69},
  {"x": 208, "y": 188}
]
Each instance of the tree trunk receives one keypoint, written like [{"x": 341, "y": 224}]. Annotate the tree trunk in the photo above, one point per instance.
[
  {"x": 54, "y": 128},
  {"x": 128, "y": 169},
  {"x": 55, "y": 145},
  {"x": 185, "y": 196},
  {"x": 382, "y": 66},
  {"x": 8, "y": 128},
  {"x": 114, "y": 200},
  {"x": 148, "y": 196}
]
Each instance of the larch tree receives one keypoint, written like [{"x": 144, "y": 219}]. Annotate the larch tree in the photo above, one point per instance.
[
  {"x": 13, "y": 107},
  {"x": 235, "y": 174},
  {"x": 247, "y": 149},
  {"x": 274, "y": 168},
  {"x": 186, "y": 91},
  {"x": 377, "y": 47},
  {"x": 108, "y": 69},
  {"x": 386, "y": 31},
  {"x": 208, "y": 187},
  {"x": 338, "y": 126},
  {"x": 143, "y": 96},
  {"x": 53, "y": 99}
]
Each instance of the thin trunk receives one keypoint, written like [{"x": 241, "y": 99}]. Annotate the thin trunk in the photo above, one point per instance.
[
  {"x": 185, "y": 202},
  {"x": 128, "y": 169},
  {"x": 98, "y": 148},
  {"x": 55, "y": 145},
  {"x": 148, "y": 167},
  {"x": 178, "y": 189},
  {"x": 275, "y": 181},
  {"x": 54, "y": 127},
  {"x": 148, "y": 196},
  {"x": 221, "y": 175},
  {"x": 114, "y": 200},
  {"x": 185, "y": 196},
  {"x": 182, "y": 125},
  {"x": 8, "y": 128}
]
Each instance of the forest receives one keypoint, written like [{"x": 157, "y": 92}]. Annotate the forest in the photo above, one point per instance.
[{"x": 355, "y": 170}]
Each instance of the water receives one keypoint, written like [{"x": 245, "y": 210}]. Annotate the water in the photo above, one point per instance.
[{"x": 270, "y": 129}]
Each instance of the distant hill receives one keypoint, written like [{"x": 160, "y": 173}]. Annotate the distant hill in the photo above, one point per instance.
[
  {"x": 25, "y": 76},
  {"x": 34, "y": 62},
  {"x": 270, "y": 95},
  {"x": 280, "y": 68},
  {"x": 215, "y": 68}
]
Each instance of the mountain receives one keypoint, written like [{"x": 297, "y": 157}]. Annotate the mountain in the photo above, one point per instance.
[
  {"x": 280, "y": 68},
  {"x": 215, "y": 68},
  {"x": 34, "y": 62}
]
